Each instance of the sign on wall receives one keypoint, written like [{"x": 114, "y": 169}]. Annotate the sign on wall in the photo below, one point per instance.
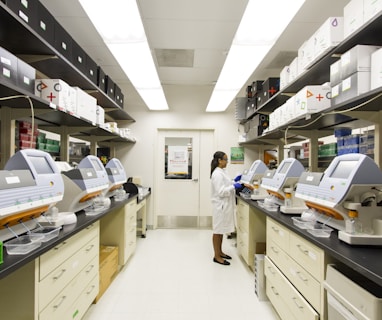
[{"x": 177, "y": 160}]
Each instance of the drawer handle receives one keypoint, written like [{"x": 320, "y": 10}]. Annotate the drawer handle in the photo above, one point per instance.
[
  {"x": 301, "y": 276},
  {"x": 274, "y": 250},
  {"x": 60, "y": 245},
  {"x": 90, "y": 248},
  {"x": 91, "y": 289},
  {"x": 275, "y": 229},
  {"x": 296, "y": 303},
  {"x": 59, "y": 275},
  {"x": 60, "y": 303},
  {"x": 274, "y": 291},
  {"x": 304, "y": 251},
  {"x": 90, "y": 268},
  {"x": 271, "y": 270}
]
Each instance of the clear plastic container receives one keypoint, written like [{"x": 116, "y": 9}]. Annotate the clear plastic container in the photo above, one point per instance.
[
  {"x": 320, "y": 231},
  {"x": 46, "y": 232},
  {"x": 303, "y": 224},
  {"x": 23, "y": 244}
]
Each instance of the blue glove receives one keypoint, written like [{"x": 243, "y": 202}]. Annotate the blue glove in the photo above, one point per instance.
[
  {"x": 237, "y": 185},
  {"x": 238, "y": 178}
]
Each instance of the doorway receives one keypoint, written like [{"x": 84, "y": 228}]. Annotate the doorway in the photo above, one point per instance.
[{"x": 182, "y": 178}]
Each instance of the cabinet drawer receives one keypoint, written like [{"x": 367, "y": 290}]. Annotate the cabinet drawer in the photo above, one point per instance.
[
  {"x": 242, "y": 246},
  {"x": 130, "y": 218},
  {"x": 277, "y": 233},
  {"x": 277, "y": 301},
  {"x": 296, "y": 303},
  {"x": 52, "y": 284},
  {"x": 87, "y": 296},
  {"x": 131, "y": 206},
  {"x": 63, "y": 251},
  {"x": 140, "y": 205},
  {"x": 309, "y": 287},
  {"x": 59, "y": 306},
  {"x": 308, "y": 255}
]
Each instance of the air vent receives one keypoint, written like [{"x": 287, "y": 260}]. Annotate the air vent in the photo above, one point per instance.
[{"x": 180, "y": 58}]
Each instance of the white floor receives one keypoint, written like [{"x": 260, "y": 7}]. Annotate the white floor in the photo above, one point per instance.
[{"x": 172, "y": 277}]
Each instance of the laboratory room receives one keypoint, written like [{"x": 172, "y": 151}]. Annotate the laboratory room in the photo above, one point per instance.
[{"x": 181, "y": 160}]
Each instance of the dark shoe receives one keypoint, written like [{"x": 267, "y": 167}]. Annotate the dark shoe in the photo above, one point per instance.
[
  {"x": 226, "y": 257},
  {"x": 225, "y": 262}
]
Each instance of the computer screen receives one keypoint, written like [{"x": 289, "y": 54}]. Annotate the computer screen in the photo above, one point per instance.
[
  {"x": 343, "y": 169},
  {"x": 285, "y": 167},
  {"x": 40, "y": 164}
]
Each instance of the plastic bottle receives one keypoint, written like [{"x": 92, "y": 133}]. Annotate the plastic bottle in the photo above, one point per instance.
[
  {"x": 288, "y": 200},
  {"x": 256, "y": 189},
  {"x": 353, "y": 226}
]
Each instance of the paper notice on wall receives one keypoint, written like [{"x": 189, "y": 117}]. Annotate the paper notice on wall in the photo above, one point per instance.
[{"x": 177, "y": 160}]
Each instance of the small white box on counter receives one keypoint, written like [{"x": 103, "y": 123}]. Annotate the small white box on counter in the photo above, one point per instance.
[
  {"x": 86, "y": 106},
  {"x": 58, "y": 92}
]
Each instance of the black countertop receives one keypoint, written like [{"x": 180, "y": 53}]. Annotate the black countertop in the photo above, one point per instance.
[
  {"x": 13, "y": 262},
  {"x": 364, "y": 260}
]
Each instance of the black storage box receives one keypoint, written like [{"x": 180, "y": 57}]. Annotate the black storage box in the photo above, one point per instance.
[
  {"x": 45, "y": 23},
  {"x": 250, "y": 107},
  {"x": 118, "y": 96},
  {"x": 91, "y": 70},
  {"x": 26, "y": 76},
  {"x": 25, "y": 9},
  {"x": 8, "y": 65},
  {"x": 101, "y": 79},
  {"x": 62, "y": 41},
  {"x": 110, "y": 88},
  {"x": 257, "y": 86},
  {"x": 270, "y": 87},
  {"x": 78, "y": 57}
]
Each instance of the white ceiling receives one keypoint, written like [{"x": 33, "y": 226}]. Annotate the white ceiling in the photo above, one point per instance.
[{"x": 203, "y": 29}]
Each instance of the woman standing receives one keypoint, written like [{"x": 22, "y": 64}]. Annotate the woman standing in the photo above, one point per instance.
[{"x": 223, "y": 204}]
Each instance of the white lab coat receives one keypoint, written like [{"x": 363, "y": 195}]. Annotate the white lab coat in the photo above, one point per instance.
[{"x": 223, "y": 202}]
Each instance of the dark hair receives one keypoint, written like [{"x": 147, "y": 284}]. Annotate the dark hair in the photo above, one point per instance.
[{"x": 215, "y": 161}]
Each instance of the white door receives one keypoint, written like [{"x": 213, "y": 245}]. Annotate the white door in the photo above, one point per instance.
[{"x": 182, "y": 189}]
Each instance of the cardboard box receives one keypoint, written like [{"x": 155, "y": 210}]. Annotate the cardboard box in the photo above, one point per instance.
[
  {"x": 357, "y": 59},
  {"x": 86, "y": 106},
  {"x": 353, "y": 17},
  {"x": 376, "y": 69},
  {"x": 108, "y": 268},
  {"x": 293, "y": 70},
  {"x": 312, "y": 99},
  {"x": 8, "y": 66},
  {"x": 58, "y": 92},
  {"x": 329, "y": 35}
]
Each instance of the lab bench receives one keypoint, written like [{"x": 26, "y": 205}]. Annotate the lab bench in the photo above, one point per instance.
[
  {"x": 62, "y": 275},
  {"x": 296, "y": 262}
]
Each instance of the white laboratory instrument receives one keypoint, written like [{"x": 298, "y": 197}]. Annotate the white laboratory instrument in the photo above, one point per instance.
[
  {"x": 30, "y": 184},
  {"x": 350, "y": 192},
  {"x": 117, "y": 176},
  {"x": 83, "y": 184},
  {"x": 280, "y": 186},
  {"x": 253, "y": 176}
]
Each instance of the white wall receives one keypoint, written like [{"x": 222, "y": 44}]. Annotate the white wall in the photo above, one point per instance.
[{"x": 188, "y": 113}]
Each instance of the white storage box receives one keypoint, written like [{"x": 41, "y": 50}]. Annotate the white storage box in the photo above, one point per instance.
[
  {"x": 306, "y": 54},
  {"x": 284, "y": 77},
  {"x": 335, "y": 73},
  {"x": 312, "y": 99},
  {"x": 86, "y": 106},
  {"x": 376, "y": 69},
  {"x": 371, "y": 9},
  {"x": 356, "y": 59},
  {"x": 100, "y": 115},
  {"x": 355, "y": 85},
  {"x": 293, "y": 70},
  {"x": 58, "y": 92},
  {"x": 353, "y": 17},
  {"x": 329, "y": 35}
]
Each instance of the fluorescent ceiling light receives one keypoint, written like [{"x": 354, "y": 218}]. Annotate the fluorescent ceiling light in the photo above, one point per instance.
[
  {"x": 261, "y": 25},
  {"x": 120, "y": 26}
]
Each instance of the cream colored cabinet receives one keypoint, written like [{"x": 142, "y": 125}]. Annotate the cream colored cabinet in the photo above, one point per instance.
[
  {"x": 250, "y": 232},
  {"x": 60, "y": 284},
  {"x": 66, "y": 272},
  {"x": 119, "y": 228},
  {"x": 295, "y": 269}
]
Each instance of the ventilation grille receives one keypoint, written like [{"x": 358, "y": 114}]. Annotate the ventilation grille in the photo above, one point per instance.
[{"x": 180, "y": 58}]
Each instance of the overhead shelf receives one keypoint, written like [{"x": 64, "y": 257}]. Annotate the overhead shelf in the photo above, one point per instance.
[{"x": 45, "y": 58}]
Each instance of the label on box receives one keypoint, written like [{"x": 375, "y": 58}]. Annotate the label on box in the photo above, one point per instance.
[{"x": 346, "y": 84}]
